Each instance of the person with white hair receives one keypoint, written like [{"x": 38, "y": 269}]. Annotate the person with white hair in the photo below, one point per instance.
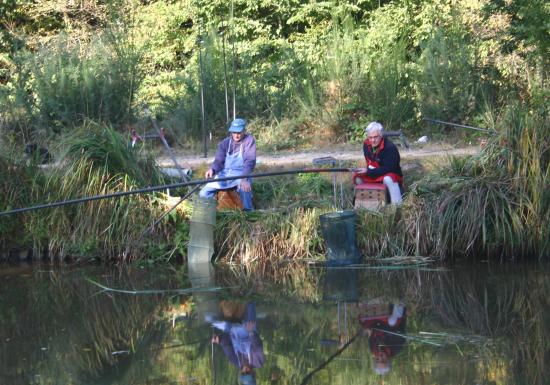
[{"x": 383, "y": 162}]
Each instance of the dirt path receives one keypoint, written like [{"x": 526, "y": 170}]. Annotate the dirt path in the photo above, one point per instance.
[{"x": 339, "y": 152}]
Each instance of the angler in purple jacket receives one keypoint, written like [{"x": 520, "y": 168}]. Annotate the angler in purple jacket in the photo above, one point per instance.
[{"x": 236, "y": 155}]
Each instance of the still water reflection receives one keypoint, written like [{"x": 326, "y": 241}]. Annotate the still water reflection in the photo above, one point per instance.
[{"x": 474, "y": 325}]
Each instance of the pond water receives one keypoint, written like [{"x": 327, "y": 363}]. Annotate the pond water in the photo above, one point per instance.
[{"x": 393, "y": 325}]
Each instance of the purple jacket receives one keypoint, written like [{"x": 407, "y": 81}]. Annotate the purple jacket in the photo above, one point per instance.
[
  {"x": 257, "y": 358},
  {"x": 249, "y": 153}
]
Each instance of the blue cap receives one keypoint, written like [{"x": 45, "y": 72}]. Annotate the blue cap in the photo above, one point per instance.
[
  {"x": 237, "y": 125},
  {"x": 247, "y": 379}
]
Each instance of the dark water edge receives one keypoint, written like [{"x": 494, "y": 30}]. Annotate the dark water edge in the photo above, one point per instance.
[{"x": 478, "y": 324}]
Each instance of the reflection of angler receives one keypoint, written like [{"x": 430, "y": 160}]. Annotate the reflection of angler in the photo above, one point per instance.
[
  {"x": 384, "y": 340},
  {"x": 241, "y": 343}
]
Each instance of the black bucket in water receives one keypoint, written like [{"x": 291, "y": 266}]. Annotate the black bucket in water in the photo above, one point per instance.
[
  {"x": 338, "y": 229},
  {"x": 341, "y": 285}
]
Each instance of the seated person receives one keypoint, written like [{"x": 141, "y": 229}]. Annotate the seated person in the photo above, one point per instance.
[
  {"x": 383, "y": 162},
  {"x": 236, "y": 155}
]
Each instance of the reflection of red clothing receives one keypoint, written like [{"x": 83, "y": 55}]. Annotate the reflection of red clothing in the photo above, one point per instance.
[
  {"x": 380, "y": 341},
  {"x": 380, "y": 163}
]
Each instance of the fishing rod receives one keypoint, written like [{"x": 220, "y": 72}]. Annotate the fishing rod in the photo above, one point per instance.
[
  {"x": 233, "y": 59},
  {"x": 172, "y": 186},
  {"x": 203, "y": 127},
  {"x": 157, "y": 221},
  {"x": 200, "y": 341},
  {"x": 308, "y": 377},
  {"x": 225, "y": 74},
  {"x": 165, "y": 143},
  {"x": 461, "y": 125}
]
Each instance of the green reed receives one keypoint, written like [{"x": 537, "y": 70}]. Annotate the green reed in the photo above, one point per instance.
[{"x": 496, "y": 203}]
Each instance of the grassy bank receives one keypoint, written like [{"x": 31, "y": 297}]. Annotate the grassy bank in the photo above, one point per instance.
[{"x": 492, "y": 205}]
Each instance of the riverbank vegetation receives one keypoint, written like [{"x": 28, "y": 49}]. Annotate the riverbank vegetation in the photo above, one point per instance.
[
  {"x": 493, "y": 204},
  {"x": 75, "y": 77}
]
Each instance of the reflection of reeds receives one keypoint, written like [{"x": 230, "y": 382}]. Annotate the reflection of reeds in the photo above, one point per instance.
[
  {"x": 510, "y": 312},
  {"x": 78, "y": 329},
  {"x": 292, "y": 278}
]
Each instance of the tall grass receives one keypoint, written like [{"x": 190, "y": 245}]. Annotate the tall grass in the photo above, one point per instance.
[
  {"x": 20, "y": 181},
  {"x": 98, "y": 161},
  {"x": 449, "y": 81},
  {"x": 496, "y": 204},
  {"x": 96, "y": 80},
  {"x": 263, "y": 86},
  {"x": 387, "y": 90},
  {"x": 105, "y": 148},
  {"x": 68, "y": 80}
]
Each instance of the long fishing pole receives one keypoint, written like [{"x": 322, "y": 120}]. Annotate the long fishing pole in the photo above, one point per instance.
[
  {"x": 308, "y": 377},
  {"x": 165, "y": 143},
  {"x": 172, "y": 186},
  {"x": 461, "y": 125},
  {"x": 156, "y": 222},
  {"x": 407, "y": 337},
  {"x": 203, "y": 126},
  {"x": 225, "y": 74},
  {"x": 233, "y": 59}
]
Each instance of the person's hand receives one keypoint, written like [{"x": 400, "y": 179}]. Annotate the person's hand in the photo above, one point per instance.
[
  {"x": 245, "y": 185},
  {"x": 250, "y": 325},
  {"x": 209, "y": 174},
  {"x": 360, "y": 170},
  {"x": 215, "y": 339}
]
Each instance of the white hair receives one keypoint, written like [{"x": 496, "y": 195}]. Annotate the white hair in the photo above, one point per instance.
[{"x": 374, "y": 126}]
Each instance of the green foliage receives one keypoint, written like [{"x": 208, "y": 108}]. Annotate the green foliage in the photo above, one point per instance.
[
  {"x": 387, "y": 92},
  {"x": 528, "y": 27},
  {"x": 449, "y": 81},
  {"x": 99, "y": 85},
  {"x": 105, "y": 149},
  {"x": 496, "y": 203},
  {"x": 327, "y": 66}
]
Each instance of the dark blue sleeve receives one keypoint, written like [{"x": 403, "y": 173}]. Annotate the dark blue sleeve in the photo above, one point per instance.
[{"x": 389, "y": 160}]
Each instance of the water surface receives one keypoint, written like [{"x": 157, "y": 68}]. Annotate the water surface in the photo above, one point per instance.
[{"x": 469, "y": 325}]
